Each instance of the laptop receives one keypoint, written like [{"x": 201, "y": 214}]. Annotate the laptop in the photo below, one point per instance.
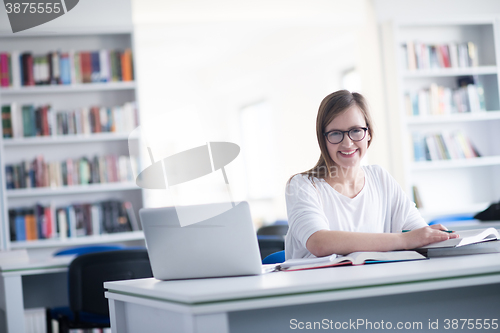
[{"x": 223, "y": 245}]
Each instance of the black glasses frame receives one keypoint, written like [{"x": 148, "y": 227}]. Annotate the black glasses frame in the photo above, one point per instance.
[{"x": 348, "y": 134}]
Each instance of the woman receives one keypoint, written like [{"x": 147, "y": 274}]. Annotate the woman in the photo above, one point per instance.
[{"x": 339, "y": 206}]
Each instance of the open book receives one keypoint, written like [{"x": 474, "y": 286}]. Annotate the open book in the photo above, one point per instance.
[
  {"x": 355, "y": 258},
  {"x": 467, "y": 237}
]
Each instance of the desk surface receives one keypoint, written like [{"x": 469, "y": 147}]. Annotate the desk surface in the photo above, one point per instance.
[
  {"x": 203, "y": 291},
  {"x": 36, "y": 265}
]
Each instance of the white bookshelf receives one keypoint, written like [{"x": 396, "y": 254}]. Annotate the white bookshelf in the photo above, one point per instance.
[
  {"x": 453, "y": 118},
  {"x": 61, "y": 147},
  {"x": 78, "y": 241},
  {"x": 462, "y": 163},
  {"x": 445, "y": 72},
  {"x": 73, "y": 189},
  {"x": 71, "y": 88},
  {"x": 449, "y": 186},
  {"x": 65, "y": 139}
]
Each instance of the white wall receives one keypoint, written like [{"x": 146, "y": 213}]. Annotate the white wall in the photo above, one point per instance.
[
  {"x": 404, "y": 10},
  {"x": 226, "y": 55}
]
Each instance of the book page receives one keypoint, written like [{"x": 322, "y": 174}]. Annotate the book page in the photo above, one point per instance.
[
  {"x": 467, "y": 237},
  {"x": 359, "y": 258},
  {"x": 307, "y": 261}
]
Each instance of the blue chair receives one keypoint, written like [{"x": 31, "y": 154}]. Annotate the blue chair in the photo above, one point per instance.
[
  {"x": 79, "y": 250},
  {"x": 452, "y": 218},
  {"x": 88, "y": 308},
  {"x": 274, "y": 258},
  {"x": 269, "y": 244}
]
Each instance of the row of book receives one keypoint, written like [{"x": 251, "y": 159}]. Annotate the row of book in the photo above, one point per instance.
[
  {"x": 28, "y": 120},
  {"x": 76, "y": 220},
  {"x": 82, "y": 171},
  {"x": 72, "y": 67},
  {"x": 442, "y": 146},
  {"x": 418, "y": 55},
  {"x": 439, "y": 100}
]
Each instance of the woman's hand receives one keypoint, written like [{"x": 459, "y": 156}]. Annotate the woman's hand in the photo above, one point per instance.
[{"x": 426, "y": 235}]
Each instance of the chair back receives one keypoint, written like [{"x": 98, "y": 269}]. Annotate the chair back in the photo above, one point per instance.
[
  {"x": 88, "y": 272},
  {"x": 79, "y": 250},
  {"x": 273, "y": 230},
  {"x": 270, "y": 244}
]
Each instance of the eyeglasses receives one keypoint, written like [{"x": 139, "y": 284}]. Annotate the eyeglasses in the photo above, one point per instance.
[{"x": 355, "y": 134}]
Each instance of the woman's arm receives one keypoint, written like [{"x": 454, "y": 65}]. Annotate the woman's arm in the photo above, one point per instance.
[{"x": 327, "y": 242}]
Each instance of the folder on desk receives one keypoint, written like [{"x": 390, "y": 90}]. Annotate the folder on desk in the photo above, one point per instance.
[
  {"x": 467, "y": 237},
  {"x": 477, "y": 248},
  {"x": 477, "y": 241}
]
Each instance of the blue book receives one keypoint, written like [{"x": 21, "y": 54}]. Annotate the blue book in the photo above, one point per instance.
[
  {"x": 9, "y": 176},
  {"x": 20, "y": 226},
  {"x": 65, "y": 67},
  {"x": 96, "y": 67},
  {"x": 414, "y": 100},
  {"x": 419, "y": 147}
]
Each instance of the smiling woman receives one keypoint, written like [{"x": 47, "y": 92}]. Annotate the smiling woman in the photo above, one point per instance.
[{"x": 339, "y": 206}]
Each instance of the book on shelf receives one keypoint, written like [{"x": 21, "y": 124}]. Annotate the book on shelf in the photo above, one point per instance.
[
  {"x": 7, "y": 130},
  {"x": 418, "y": 55},
  {"x": 5, "y": 70},
  {"x": 355, "y": 258},
  {"x": 439, "y": 100},
  {"x": 72, "y": 221},
  {"x": 81, "y": 171},
  {"x": 466, "y": 237},
  {"x": 28, "y": 120},
  {"x": 442, "y": 146},
  {"x": 67, "y": 67},
  {"x": 416, "y": 197}
]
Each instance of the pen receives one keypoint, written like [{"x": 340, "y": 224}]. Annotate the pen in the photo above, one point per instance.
[{"x": 448, "y": 231}]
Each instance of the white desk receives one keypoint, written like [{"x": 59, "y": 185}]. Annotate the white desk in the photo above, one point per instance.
[
  {"x": 454, "y": 287},
  {"x": 32, "y": 284}
]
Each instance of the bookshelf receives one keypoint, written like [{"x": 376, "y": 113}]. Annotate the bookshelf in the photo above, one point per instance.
[
  {"x": 101, "y": 147},
  {"x": 448, "y": 108}
]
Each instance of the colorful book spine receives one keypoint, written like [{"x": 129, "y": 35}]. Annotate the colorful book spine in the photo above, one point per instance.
[
  {"x": 82, "y": 171},
  {"x": 418, "y": 55},
  {"x": 76, "y": 220},
  {"x": 442, "y": 146}
]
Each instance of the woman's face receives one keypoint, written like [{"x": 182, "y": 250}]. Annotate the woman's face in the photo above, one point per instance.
[{"x": 348, "y": 153}]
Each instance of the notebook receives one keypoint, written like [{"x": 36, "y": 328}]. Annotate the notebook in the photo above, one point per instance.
[{"x": 224, "y": 245}]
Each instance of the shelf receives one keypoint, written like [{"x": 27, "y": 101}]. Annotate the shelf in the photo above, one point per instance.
[
  {"x": 75, "y": 189},
  {"x": 459, "y": 163},
  {"x": 453, "y": 118},
  {"x": 118, "y": 30},
  {"x": 104, "y": 86},
  {"x": 443, "y": 72},
  {"x": 63, "y": 139},
  {"x": 75, "y": 241}
]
